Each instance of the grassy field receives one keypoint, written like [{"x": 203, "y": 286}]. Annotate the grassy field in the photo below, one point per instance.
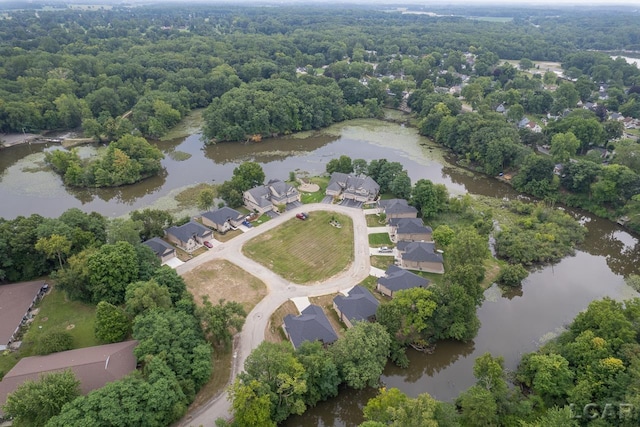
[
  {"x": 56, "y": 313},
  {"x": 222, "y": 279},
  {"x": 381, "y": 262},
  {"x": 374, "y": 221},
  {"x": 379, "y": 239},
  {"x": 189, "y": 197},
  {"x": 305, "y": 251}
]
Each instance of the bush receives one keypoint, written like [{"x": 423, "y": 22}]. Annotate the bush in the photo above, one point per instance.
[
  {"x": 512, "y": 275},
  {"x": 53, "y": 342}
]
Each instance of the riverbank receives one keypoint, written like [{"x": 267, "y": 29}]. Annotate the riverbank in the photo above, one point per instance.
[{"x": 13, "y": 139}]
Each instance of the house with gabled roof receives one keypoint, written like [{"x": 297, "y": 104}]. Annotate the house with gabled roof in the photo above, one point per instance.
[
  {"x": 398, "y": 279},
  {"x": 358, "y": 305},
  {"x": 397, "y": 208},
  {"x": 265, "y": 198},
  {"x": 189, "y": 236},
  {"x": 92, "y": 366},
  {"x": 359, "y": 188},
  {"x": 420, "y": 256},
  {"x": 311, "y": 325},
  {"x": 223, "y": 219},
  {"x": 162, "y": 249},
  {"x": 410, "y": 230}
]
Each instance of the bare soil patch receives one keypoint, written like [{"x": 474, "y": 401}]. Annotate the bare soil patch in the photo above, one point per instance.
[
  {"x": 274, "y": 332},
  {"x": 220, "y": 279}
]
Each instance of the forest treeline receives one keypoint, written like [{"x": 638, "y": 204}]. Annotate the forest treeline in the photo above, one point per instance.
[{"x": 64, "y": 69}]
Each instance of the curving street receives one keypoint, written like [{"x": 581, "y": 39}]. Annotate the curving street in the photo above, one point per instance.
[{"x": 279, "y": 291}]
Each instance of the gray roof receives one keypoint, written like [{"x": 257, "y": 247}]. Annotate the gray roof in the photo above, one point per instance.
[
  {"x": 360, "y": 305},
  {"x": 261, "y": 195},
  {"x": 398, "y": 279},
  {"x": 397, "y": 206},
  {"x": 419, "y": 251},
  {"x": 311, "y": 325},
  {"x": 223, "y": 215},
  {"x": 353, "y": 184},
  {"x": 93, "y": 366},
  {"x": 409, "y": 226},
  {"x": 15, "y": 300},
  {"x": 188, "y": 230},
  {"x": 159, "y": 246}
]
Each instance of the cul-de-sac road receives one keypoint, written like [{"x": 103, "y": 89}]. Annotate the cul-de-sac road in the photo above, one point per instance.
[{"x": 279, "y": 291}]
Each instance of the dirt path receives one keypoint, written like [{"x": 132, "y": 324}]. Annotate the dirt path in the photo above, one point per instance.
[{"x": 279, "y": 291}]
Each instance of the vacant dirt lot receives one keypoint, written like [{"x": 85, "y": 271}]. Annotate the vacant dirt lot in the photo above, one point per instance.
[{"x": 223, "y": 280}]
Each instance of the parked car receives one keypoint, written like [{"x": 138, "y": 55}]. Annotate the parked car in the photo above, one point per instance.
[
  {"x": 301, "y": 216},
  {"x": 208, "y": 244},
  {"x": 385, "y": 250},
  {"x": 246, "y": 224}
]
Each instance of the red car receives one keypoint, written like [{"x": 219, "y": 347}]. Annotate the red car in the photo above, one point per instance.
[
  {"x": 208, "y": 244},
  {"x": 301, "y": 216}
]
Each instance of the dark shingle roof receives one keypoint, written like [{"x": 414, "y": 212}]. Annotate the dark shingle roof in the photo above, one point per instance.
[
  {"x": 223, "y": 215},
  {"x": 359, "y": 305},
  {"x": 311, "y": 325},
  {"x": 409, "y": 226},
  {"x": 15, "y": 300},
  {"x": 397, "y": 206},
  {"x": 419, "y": 251},
  {"x": 261, "y": 195},
  {"x": 159, "y": 246},
  {"x": 398, "y": 279},
  {"x": 188, "y": 230}
]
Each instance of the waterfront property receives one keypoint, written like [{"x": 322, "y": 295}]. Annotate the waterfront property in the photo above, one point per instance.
[
  {"x": 361, "y": 189},
  {"x": 223, "y": 219},
  {"x": 265, "y": 198},
  {"x": 398, "y": 279},
  {"x": 189, "y": 236},
  {"x": 311, "y": 325},
  {"x": 410, "y": 230},
  {"x": 397, "y": 208},
  {"x": 420, "y": 256},
  {"x": 359, "y": 305},
  {"x": 162, "y": 249},
  {"x": 16, "y": 302},
  {"x": 93, "y": 366}
]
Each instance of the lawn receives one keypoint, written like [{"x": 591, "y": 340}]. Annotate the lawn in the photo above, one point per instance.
[
  {"x": 221, "y": 279},
  {"x": 56, "y": 313},
  {"x": 379, "y": 239},
  {"x": 305, "y": 251},
  {"x": 374, "y": 221},
  {"x": 274, "y": 332},
  {"x": 382, "y": 262},
  {"x": 318, "y": 195}
]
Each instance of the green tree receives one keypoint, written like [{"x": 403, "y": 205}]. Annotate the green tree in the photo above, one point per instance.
[
  {"x": 393, "y": 408},
  {"x": 154, "y": 222},
  {"x": 443, "y": 235},
  {"x": 247, "y": 175},
  {"x": 112, "y": 324},
  {"x": 124, "y": 230},
  {"x": 53, "y": 341},
  {"x": 429, "y": 198},
  {"x": 548, "y": 375},
  {"x": 32, "y": 403},
  {"x": 407, "y": 317},
  {"x": 478, "y": 407},
  {"x": 205, "y": 199},
  {"x": 276, "y": 367},
  {"x": 54, "y": 246},
  {"x": 111, "y": 269},
  {"x": 167, "y": 277},
  {"x": 512, "y": 275},
  {"x": 251, "y": 404},
  {"x": 342, "y": 164},
  {"x": 535, "y": 176},
  {"x": 143, "y": 296},
  {"x": 400, "y": 187},
  {"x": 221, "y": 321},
  {"x": 467, "y": 247},
  {"x": 563, "y": 146},
  {"x": 362, "y": 354},
  {"x": 321, "y": 373}
]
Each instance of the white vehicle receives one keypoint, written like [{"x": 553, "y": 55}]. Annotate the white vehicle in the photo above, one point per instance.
[{"x": 385, "y": 250}]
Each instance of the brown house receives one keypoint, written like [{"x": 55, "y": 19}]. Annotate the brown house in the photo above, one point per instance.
[
  {"x": 162, "y": 249},
  {"x": 397, "y": 208},
  {"x": 358, "y": 306},
  {"x": 93, "y": 366},
  {"x": 420, "y": 256},
  {"x": 16, "y": 302},
  {"x": 189, "y": 236},
  {"x": 397, "y": 279},
  {"x": 265, "y": 197},
  {"x": 410, "y": 230},
  {"x": 223, "y": 219}
]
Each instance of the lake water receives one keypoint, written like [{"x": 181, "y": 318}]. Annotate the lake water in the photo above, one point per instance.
[{"x": 512, "y": 324}]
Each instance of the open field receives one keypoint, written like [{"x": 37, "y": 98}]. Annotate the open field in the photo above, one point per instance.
[
  {"x": 305, "y": 251},
  {"x": 380, "y": 239},
  {"x": 56, "y": 313},
  {"x": 223, "y": 280}
]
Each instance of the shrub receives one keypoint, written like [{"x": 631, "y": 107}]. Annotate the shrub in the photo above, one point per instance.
[{"x": 53, "y": 342}]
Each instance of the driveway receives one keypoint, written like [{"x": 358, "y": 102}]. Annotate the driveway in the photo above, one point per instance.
[{"x": 279, "y": 290}]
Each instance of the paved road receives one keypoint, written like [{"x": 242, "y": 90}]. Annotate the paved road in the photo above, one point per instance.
[{"x": 279, "y": 291}]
